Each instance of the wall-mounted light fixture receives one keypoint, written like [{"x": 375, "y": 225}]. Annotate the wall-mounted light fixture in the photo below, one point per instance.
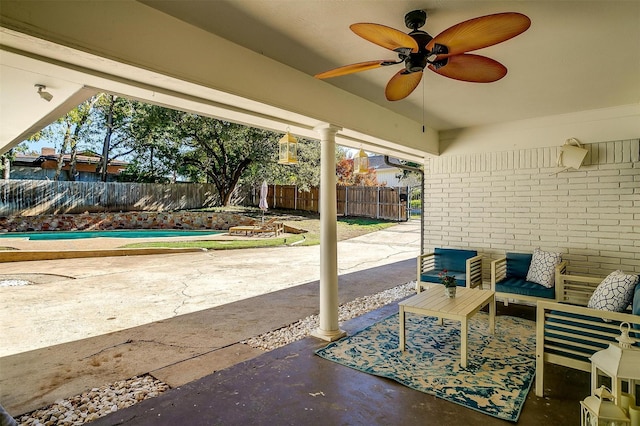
[
  {"x": 288, "y": 149},
  {"x": 361, "y": 163},
  {"x": 44, "y": 94}
]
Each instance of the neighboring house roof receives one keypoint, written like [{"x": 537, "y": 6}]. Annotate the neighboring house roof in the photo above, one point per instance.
[
  {"x": 48, "y": 154},
  {"x": 377, "y": 163}
]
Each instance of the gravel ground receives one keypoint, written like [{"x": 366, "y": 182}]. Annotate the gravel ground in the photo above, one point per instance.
[{"x": 99, "y": 402}]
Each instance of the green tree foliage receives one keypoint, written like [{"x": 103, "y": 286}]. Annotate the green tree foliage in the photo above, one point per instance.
[
  {"x": 305, "y": 175},
  {"x": 154, "y": 142},
  {"x": 410, "y": 178},
  {"x": 68, "y": 131},
  {"x": 221, "y": 152},
  {"x": 165, "y": 145},
  {"x": 111, "y": 129}
]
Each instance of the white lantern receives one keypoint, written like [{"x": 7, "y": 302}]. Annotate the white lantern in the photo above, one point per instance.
[
  {"x": 620, "y": 362},
  {"x": 600, "y": 410}
]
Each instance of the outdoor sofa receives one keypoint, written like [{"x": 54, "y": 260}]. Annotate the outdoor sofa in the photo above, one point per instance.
[
  {"x": 509, "y": 277},
  {"x": 568, "y": 332},
  {"x": 464, "y": 265}
]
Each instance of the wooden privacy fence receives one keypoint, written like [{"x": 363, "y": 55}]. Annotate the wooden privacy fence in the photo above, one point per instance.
[
  {"x": 363, "y": 201},
  {"x": 34, "y": 197}
]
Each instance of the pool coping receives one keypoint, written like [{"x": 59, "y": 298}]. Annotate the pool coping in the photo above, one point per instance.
[{"x": 28, "y": 255}]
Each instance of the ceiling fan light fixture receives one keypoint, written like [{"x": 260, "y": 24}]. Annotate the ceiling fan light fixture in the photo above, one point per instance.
[
  {"x": 416, "y": 62},
  {"x": 43, "y": 93}
]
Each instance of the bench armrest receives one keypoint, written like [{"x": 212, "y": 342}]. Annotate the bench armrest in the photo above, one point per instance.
[
  {"x": 498, "y": 271},
  {"x": 426, "y": 262},
  {"x": 575, "y": 289},
  {"x": 474, "y": 272}
]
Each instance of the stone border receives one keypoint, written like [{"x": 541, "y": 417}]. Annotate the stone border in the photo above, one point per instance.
[{"x": 124, "y": 220}]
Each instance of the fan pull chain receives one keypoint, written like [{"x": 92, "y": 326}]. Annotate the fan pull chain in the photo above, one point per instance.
[{"x": 423, "y": 90}]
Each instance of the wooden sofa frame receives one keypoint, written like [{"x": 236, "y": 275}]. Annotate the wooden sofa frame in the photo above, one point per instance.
[
  {"x": 426, "y": 262},
  {"x": 574, "y": 292},
  {"x": 499, "y": 272}
]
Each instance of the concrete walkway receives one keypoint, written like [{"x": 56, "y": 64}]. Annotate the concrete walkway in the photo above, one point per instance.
[{"x": 92, "y": 321}]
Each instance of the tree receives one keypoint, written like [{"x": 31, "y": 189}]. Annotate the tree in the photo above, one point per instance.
[
  {"x": 8, "y": 157},
  {"x": 305, "y": 175},
  {"x": 221, "y": 152},
  {"x": 67, "y": 132},
  {"x": 113, "y": 118},
  {"x": 346, "y": 176},
  {"x": 410, "y": 178},
  {"x": 155, "y": 143}
]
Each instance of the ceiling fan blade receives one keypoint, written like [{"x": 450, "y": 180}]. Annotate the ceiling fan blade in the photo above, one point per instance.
[
  {"x": 353, "y": 68},
  {"x": 384, "y": 36},
  {"x": 468, "y": 67},
  {"x": 402, "y": 84},
  {"x": 481, "y": 32}
]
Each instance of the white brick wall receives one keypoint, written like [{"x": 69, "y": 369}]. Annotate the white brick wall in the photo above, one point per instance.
[{"x": 514, "y": 201}]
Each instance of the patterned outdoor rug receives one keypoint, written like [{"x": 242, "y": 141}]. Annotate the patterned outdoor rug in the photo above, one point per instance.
[{"x": 500, "y": 367}]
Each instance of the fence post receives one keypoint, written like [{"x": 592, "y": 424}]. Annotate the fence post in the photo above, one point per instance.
[{"x": 346, "y": 201}]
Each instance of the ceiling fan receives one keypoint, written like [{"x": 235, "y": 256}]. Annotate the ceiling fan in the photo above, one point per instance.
[{"x": 444, "y": 54}]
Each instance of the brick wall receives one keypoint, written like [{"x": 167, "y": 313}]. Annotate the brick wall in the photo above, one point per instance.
[{"x": 514, "y": 201}]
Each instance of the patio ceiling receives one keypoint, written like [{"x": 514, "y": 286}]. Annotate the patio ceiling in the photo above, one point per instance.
[{"x": 251, "y": 61}]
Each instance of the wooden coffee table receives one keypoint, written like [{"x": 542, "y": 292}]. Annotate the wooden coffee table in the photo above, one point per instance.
[{"x": 433, "y": 302}]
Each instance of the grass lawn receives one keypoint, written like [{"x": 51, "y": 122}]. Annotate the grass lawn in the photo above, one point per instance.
[{"x": 347, "y": 228}]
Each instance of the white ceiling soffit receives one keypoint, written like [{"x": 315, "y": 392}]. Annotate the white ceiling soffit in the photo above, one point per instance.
[
  {"x": 578, "y": 55},
  {"x": 61, "y": 69}
]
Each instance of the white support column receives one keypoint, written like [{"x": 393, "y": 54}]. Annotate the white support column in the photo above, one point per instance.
[{"x": 329, "y": 329}]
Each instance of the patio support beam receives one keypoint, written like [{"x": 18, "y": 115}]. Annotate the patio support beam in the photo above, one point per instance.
[{"x": 329, "y": 329}]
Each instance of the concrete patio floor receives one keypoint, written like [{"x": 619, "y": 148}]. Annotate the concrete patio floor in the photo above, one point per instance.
[
  {"x": 98, "y": 320},
  {"x": 187, "y": 331},
  {"x": 293, "y": 386}
]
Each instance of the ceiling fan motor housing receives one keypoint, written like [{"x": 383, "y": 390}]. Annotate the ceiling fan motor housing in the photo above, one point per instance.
[{"x": 416, "y": 62}]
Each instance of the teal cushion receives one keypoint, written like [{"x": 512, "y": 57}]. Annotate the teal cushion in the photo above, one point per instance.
[
  {"x": 432, "y": 277},
  {"x": 526, "y": 288},
  {"x": 453, "y": 260},
  {"x": 518, "y": 265},
  {"x": 635, "y": 307}
]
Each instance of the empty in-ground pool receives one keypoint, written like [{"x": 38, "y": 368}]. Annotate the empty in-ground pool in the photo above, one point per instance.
[{"x": 116, "y": 233}]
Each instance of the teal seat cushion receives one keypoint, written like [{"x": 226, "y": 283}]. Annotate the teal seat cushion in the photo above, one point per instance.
[
  {"x": 526, "y": 288},
  {"x": 635, "y": 307},
  {"x": 453, "y": 260},
  {"x": 518, "y": 265},
  {"x": 432, "y": 277}
]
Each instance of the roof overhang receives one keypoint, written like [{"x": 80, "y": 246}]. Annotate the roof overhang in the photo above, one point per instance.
[{"x": 75, "y": 61}]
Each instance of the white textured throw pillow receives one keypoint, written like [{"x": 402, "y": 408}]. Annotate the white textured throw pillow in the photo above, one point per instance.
[
  {"x": 543, "y": 267},
  {"x": 614, "y": 293}
]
